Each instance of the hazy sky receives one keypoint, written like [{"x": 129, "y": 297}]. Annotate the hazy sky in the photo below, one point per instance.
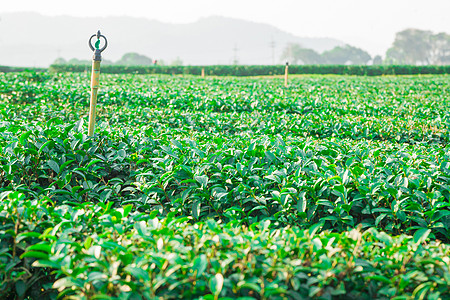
[{"x": 369, "y": 24}]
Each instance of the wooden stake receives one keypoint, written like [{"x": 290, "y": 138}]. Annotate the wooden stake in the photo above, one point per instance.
[
  {"x": 94, "y": 90},
  {"x": 203, "y": 72},
  {"x": 286, "y": 72}
]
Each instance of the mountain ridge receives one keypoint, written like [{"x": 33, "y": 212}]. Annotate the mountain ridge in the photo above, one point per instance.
[{"x": 31, "y": 39}]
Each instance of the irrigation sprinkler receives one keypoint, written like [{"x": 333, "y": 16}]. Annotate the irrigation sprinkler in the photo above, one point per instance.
[
  {"x": 96, "y": 59},
  {"x": 286, "y": 72}
]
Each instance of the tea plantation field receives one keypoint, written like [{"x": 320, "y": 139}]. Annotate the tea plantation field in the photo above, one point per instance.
[{"x": 337, "y": 187}]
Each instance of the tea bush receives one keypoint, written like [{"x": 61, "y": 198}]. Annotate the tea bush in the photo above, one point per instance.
[
  {"x": 96, "y": 251},
  {"x": 260, "y": 70},
  {"x": 334, "y": 187}
]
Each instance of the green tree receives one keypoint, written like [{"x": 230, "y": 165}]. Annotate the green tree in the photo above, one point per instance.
[
  {"x": 177, "y": 62},
  {"x": 419, "y": 47},
  {"x": 440, "y": 49},
  {"x": 346, "y": 55},
  {"x": 134, "y": 59},
  {"x": 296, "y": 54},
  {"x": 377, "y": 60},
  {"x": 60, "y": 61},
  {"x": 76, "y": 61},
  {"x": 411, "y": 46}
]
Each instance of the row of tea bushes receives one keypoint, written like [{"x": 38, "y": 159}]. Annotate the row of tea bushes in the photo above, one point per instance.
[
  {"x": 93, "y": 251},
  {"x": 394, "y": 187},
  {"x": 259, "y": 70}
]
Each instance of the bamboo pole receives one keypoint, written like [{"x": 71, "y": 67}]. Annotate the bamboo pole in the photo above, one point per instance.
[
  {"x": 286, "y": 72},
  {"x": 95, "y": 83},
  {"x": 95, "y": 78}
]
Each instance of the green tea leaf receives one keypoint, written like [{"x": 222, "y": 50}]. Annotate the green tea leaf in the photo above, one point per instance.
[
  {"x": 216, "y": 284},
  {"x": 53, "y": 165},
  {"x": 200, "y": 264},
  {"x": 421, "y": 235}
]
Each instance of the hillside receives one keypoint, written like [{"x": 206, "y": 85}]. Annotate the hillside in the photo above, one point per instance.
[{"x": 30, "y": 39}]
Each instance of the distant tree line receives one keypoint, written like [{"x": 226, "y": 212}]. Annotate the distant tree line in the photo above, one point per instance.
[
  {"x": 419, "y": 47},
  {"x": 345, "y": 55},
  {"x": 128, "y": 59},
  {"x": 260, "y": 70},
  {"x": 410, "y": 47}
]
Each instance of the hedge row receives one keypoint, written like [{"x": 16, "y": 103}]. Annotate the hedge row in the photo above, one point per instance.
[
  {"x": 247, "y": 70},
  {"x": 93, "y": 251},
  {"x": 6, "y": 69}
]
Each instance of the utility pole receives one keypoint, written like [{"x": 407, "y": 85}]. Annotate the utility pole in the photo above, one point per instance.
[
  {"x": 272, "y": 45},
  {"x": 290, "y": 52},
  {"x": 235, "y": 59}
]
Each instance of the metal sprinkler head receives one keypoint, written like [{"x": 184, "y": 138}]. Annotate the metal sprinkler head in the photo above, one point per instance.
[{"x": 97, "y": 50}]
